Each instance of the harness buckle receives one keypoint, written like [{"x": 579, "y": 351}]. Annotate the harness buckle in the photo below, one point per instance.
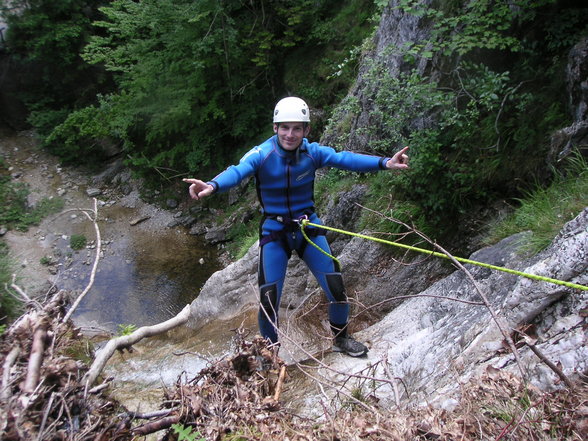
[{"x": 301, "y": 219}]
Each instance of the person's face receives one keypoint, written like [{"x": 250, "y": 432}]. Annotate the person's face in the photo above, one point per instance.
[{"x": 290, "y": 134}]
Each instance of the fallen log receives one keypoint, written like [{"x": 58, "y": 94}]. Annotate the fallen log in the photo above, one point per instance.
[{"x": 126, "y": 341}]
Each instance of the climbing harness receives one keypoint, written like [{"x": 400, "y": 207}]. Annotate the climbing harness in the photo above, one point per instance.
[{"x": 304, "y": 222}]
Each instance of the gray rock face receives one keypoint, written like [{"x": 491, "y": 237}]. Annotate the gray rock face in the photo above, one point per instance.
[
  {"x": 564, "y": 141},
  {"x": 227, "y": 293},
  {"x": 395, "y": 29},
  {"x": 433, "y": 343}
]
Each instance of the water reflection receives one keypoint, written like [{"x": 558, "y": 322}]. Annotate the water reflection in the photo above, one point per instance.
[
  {"x": 143, "y": 278},
  {"x": 146, "y": 274}
]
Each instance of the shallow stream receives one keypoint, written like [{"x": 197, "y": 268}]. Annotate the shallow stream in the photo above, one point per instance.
[{"x": 146, "y": 274}]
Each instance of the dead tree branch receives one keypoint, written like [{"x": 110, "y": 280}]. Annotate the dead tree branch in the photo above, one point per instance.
[
  {"x": 549, "y": 363},
  {"x": 94, "y": 219},
  {"x": 126, "y": 341},
  {"x": 36, "y": 357},
  {"x": 6, "y": 367},
  {"x": 155, "y": 426}
]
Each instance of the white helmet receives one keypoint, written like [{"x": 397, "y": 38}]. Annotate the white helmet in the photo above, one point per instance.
[{"x": 291, "y": 109}]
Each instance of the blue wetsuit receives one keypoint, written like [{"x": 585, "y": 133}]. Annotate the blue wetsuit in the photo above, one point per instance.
[{"x": 285, "y": 188}]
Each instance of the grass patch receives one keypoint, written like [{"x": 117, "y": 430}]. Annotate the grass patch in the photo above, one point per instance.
[
  {"x": 544, "y": 211},
  {"x": 331, "y": 182},
  {"x": 77, "y": 241},
  {"x": 15, "y": 212},
  {"x": 243, "y": 236},
  {"x": 385, "y": 200},
  {"x": 9, "y": 306}
]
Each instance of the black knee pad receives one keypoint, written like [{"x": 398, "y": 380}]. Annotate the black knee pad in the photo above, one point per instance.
[
  {"x": 335, "y": 283},
  {"x": 268, "y": 298}
]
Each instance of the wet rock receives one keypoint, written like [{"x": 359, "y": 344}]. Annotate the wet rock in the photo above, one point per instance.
[
  {"x": 109, "y": 174},
  {"x": 126, "y": 189},
  {"x": 93, "y": 192},
  {"x": 227, "y": 293},
  {"x": 3, "y": 231},
  {"x": 456, "y": 333},
  {"x": 237, "y": 193},
  {"x": 173, "y": 223},
  {"x": 217, "y": 235},
  {"x": 198, "y": 229},
  {"x": 171, "y": 203},
  {"x": 182, "y": 220},
  {"x": 566, "y": 140},
  {"x": 139, "y": 219}
]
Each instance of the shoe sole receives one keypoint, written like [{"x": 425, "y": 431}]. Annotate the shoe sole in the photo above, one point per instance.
[{"x": 351, "y": 354}]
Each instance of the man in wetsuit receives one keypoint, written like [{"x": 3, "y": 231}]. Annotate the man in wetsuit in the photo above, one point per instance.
[{"x": 284, "y": 168}]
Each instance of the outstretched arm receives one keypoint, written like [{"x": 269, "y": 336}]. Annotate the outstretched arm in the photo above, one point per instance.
[
  {"x": 199, "y": 189},
  {"x": 399, "y": 161}
]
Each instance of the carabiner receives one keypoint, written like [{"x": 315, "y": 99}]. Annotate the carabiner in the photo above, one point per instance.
[{"x": 302, "y": 220}]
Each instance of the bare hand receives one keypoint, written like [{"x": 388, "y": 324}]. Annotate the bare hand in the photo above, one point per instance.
[
  {"x": 399, "y": 161},
  {"x": 198, "y": 189}
]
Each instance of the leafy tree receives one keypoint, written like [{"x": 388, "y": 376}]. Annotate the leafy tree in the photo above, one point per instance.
[
  {"x": 196, "y": 79},
  {"x": 44, "y": 39}
]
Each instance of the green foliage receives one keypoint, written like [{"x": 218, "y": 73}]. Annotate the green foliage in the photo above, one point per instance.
[
  {"x": 77, "y": 241},
  {"x": 15, "y": 213},
  {"x": 9, "y": 306},
  {"x": 478, "y": 24},
  {"x": 242, "y": 239},
  {"x": 124, "y": 329},
  {"x": 44, "y": 39},
  {"x": 332, "y": 182},
  {"x": 192, "y": 80},
  {"x": 185, "y": 433},
  {"x": 180, "y": 99},
  {"x": 545, "y": 210},
  {"x": 321, "y": 68},
  {"x": 78, "y": 136},
  {"x": 80, "y": 349}
]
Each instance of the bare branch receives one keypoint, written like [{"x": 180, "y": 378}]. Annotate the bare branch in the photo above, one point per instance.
[
  {"x": 126, "y": 341},
  {"x": 94, "y": 220},
  {"x": 155, "y": 426},
  {"x": 36, "y": 357},
  {"x": 549, "y": 363},
  {"x": 6, "y": 367}
]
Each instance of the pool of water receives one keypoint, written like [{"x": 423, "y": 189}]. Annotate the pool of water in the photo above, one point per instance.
[{"x": 146, "y": 273}]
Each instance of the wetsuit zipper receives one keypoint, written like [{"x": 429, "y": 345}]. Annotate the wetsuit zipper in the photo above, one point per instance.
[{"x": 288, "y": 176}]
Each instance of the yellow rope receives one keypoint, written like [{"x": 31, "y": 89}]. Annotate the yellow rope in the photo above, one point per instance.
[{"x": 304, "y": 223}]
